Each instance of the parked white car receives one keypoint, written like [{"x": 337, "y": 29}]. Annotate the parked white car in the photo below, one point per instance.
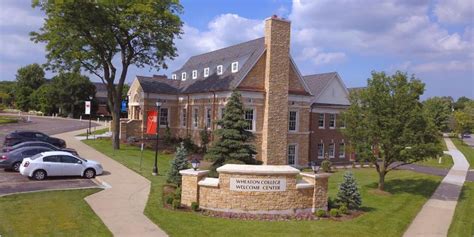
[{"x": 59, "y": 163}]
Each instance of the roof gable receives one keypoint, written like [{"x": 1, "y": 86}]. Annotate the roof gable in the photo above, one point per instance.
[{"x": 327, "y": 88}]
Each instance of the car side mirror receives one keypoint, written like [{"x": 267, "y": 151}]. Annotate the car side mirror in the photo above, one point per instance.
[{"x": 79, "y": 161}]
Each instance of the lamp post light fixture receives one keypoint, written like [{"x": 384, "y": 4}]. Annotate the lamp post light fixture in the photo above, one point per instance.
[
  {"x": 195, "y": 164},
  {"x": 155, "y": 167},
  {"x": 314, "y": 166},
  {"x": 89, "y": 132}
]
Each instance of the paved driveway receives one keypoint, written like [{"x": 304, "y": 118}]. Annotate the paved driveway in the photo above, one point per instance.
[
  {"x": 469, "y": 141},
  {"x": 46, "y": 125},
  {"x": 13, "y": 182}
]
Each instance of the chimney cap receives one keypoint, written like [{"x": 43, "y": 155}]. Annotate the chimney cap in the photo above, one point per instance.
[{"x": 276, "y": 17}]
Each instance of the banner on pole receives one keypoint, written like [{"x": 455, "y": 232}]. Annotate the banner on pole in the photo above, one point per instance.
[
  {"x": 88, "y": 107},
  {"x": 151, "y": 122}
]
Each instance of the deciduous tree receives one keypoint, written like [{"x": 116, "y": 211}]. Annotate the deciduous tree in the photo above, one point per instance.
[
  {"x": 388, "y": 117},
  {"x": 439, "y": 110},
  {"x": 28, "y": 79},
  {"x": 105, "y": 38}
]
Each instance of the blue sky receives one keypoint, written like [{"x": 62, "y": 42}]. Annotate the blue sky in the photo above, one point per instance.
[{"x": 432, "y": 39}]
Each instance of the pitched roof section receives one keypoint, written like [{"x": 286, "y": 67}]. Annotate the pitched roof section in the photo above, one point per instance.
[
  {"x": 246, "y": 54},
  {"x": 158, "y": 84},
  {"x": 317, "y": 82}
]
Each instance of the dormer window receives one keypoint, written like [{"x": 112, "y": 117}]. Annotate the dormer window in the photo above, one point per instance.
[
  {"x": 219, "y": 70},
  {"x": 173, "y": 76},
  {"x": 206, "y": 72},
  {"x": 235, "y": 67},
  {"x": 183, "y": 76},
  {"x": 195, "y": 74}
]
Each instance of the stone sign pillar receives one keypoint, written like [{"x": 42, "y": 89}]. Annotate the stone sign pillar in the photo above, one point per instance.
[
  {"x": 189, "y": 185},
  {"x": 320, "y": 194}
]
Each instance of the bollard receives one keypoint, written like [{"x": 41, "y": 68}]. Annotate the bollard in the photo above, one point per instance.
[{"x": 80, "y": 118}]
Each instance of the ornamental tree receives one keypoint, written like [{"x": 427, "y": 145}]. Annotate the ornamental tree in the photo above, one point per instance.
[
  {"x": 105, "y": 38},
  {"x": 180, "y": 162},
  {"x": 348, "y": 193},
  {"x": 232, "y": 137},
  {"x": 386, "y": 126}
]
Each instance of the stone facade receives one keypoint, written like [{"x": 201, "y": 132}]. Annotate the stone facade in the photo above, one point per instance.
[{"x": 307, "y": 195}]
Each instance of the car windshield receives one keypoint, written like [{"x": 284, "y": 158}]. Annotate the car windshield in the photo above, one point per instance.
[{"x": 36, "y": 156}]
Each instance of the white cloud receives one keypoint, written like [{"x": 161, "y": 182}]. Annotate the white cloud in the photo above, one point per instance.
[
  {"x": 444, "y": 66},
  {"x": 15, "y": 46},
  {"x": 455, "y": 11},
  {"x": 13, "y": 16},
  {"x": 319, "y": 57}
]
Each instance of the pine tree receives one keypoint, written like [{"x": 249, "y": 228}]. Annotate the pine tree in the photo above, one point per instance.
[
  {"x": 232, "y": 138},
  {"x": 349, "y": 193},
  {"x": 180, "y": 162}
]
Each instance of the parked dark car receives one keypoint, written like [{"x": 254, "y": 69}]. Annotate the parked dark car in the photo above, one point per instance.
[
  {"x": 24, "y": 136},
  {"x": 38, "y": 143},
  {"x": 12, "y": 160}
]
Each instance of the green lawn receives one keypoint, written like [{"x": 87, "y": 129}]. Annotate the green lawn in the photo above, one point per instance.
[
  {"x": 463, "y": 221},
  {"x": 387, "y": 215},
  {"x": 7, "y": 119},
  {"x": 55, "y": 213},
  {"x": 96, "y": 132},
  {"x": 446, "y": 162},
  {"x": 465, "y": 149}
]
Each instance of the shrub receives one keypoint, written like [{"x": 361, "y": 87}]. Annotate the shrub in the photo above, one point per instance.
[
  {"x": 348, "y": 193},
  {"x": 177, "y": 193},
  {"x": 334, "y": 213},
  {"x": 180, "y": 162},
  {"x": 189, "y": 144},
  {"x": 169, "y": 199},
  {"x": 205, "y": 138},
  {"x": 195, "y": 206},
  {"x": 167, "y": 137},
  {"x": 176, "y": 203},
  {"x": 320, "y": 213},
  {"x": 353, "y": 164},
  {"x": 326, "y": 166},
  {"x": 343, "y": 209}
]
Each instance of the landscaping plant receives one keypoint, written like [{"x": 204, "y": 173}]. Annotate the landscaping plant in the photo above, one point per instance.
[
  {"x": 180, "y": 162},
  {"x": 326, "y": 165},
  {"x": 348, "y": 193}
]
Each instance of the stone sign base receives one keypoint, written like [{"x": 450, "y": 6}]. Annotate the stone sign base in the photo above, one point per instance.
[{"x": 255, "y": 189}]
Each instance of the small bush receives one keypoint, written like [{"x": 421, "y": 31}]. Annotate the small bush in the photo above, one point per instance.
[
  {"x": 177, "y": 193},
  {"x": 195, "y": 206},
  {"x": 320, "y": 213},
  {"x": 176, "y": 203},
  {"x": 348, "y": 193},
  {"x": 353, "y": 164},
  {"x": 205, "y": 139},
  {"x": 169, "y": 200},
  {"x": 334, "y": 213},
  {"x": 343, "y": 209},
  {"x": 189, "y": 145},
  {"x": 326, "y": 166}
]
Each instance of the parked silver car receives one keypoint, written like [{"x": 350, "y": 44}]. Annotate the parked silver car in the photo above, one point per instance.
[{"x": 59, "y": 163}]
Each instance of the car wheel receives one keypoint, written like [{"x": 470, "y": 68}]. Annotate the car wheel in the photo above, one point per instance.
[
  {"x": 16, "y": 166},
  {"x": 39, "y": 175},
  {"x": 89, "y": 173}
]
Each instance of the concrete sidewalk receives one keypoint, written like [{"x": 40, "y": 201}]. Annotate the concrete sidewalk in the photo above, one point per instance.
[
  {"x": 121, "y": 206},
  {"x": 436, "y": 215}
]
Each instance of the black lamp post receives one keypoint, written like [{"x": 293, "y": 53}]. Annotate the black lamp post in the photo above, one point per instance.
[
  {"x": 195, "y": 164},
  {"x": 155, "y": 167}
]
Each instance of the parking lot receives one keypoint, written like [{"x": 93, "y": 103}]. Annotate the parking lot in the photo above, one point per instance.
[{"x": 12, "y": 182}]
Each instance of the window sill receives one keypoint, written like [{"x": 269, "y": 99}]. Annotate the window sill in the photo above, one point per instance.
[
  {"x": 332, "y": 127},
  {"x": 321, "y": 157},
  {"x": 321, "y": 127}
]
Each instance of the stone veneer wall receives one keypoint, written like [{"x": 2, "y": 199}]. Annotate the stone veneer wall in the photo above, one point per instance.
[{"x": 306, "y": 195}]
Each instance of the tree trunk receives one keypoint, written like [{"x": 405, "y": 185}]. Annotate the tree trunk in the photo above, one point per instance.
[
  {"x": 381, "y": 185},
  {"x": 116, "y": 122}
]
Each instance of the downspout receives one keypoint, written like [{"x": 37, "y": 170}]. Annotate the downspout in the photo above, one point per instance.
[
  {"x": 213, "y": 115},
  {"x": 187, "y": 118},
  {"x": 310, "y": 133}
]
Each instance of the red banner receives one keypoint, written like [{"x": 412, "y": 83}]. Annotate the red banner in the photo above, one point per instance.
[{"x": 151, "y": 122}]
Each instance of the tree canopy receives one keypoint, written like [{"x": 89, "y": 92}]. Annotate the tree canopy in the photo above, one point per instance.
[
  {"x": 439, "y": 110},
  {"x": 106, "y": 37},
  {"x": 28, "y": 79},
  {"x": 385, "y": 123},
  {"x": 464, "y": 118}
]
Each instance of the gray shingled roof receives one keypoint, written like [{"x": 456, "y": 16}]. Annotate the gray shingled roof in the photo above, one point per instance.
[
  {"x": 317, "y": 82},
  {"x": 158, "y": 84}
]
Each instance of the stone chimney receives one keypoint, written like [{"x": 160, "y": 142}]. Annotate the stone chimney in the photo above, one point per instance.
[{"x": 275, "y": 118}]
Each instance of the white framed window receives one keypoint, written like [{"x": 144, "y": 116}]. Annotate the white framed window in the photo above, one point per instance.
[
  {"x": 342, "y": 150},
  {"x": 332, "y": 120},
  {"x": 331, "y": 150},
  {"x": 184, "y": 117},
  {"x": 183, "y": 76},
  {"x": 163, "y": 117},
  {"x": 235, "y": 67},
  {"x": 219, "y": 70},
  {"x": 293, "y": 121},
  {"x": 196, "y": 117},
  {"x": 249, "y": 116},
  {"x": 208, "y": 117},
  {"x": 342, "y": 121},
  {"x": 321, "y": 120},
  {"x": 292, "y": 154},
  {"x": 206, "y": 72},
  {"x": 195, "y": 74},
  {"x": 173, "y": 76},
  {"x": 320, "y": 151}
]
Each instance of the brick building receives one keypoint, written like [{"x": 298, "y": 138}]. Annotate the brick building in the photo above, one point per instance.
[{"x": 293, "y": 117}]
